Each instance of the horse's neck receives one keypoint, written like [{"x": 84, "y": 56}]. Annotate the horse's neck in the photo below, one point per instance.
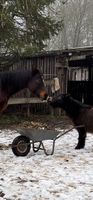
[
  {"x": 17, "y": 82},
  {"x": 72, "y": 108}
]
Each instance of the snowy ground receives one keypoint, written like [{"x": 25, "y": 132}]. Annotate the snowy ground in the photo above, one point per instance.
[{"x": 66, "y": 175}]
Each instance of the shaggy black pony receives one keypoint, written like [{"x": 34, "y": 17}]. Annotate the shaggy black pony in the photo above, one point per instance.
[
  {"x": 80, "y": 114},
  {"x": 13, "y": 81}
]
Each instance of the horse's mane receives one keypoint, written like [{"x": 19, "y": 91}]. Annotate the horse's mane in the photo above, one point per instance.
[
  {"x": 16, "y": 79},
  {"x": 73, "y": 107},
  {"x": 33, "y": 71},
  {"x": 6, "y": 75}
]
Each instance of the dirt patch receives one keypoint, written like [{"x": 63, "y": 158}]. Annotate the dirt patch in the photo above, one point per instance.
[{"x": 35, "y": 121}]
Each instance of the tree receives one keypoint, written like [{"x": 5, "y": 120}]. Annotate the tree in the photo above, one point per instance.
[
  {"x": 25, "y": 26},
  {"x": 77, "y": 18}
]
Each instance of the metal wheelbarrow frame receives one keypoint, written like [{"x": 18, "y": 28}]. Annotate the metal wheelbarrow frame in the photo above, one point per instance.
[{"x": 35, "y": 137}]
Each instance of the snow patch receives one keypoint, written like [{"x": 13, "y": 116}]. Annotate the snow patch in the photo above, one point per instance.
[{"x": 67, "y": 174}]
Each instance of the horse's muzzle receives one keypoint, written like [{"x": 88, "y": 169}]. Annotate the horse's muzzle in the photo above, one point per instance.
[
  {"x": 49, "y": 99},
  {"x": 43, "y": 95}
]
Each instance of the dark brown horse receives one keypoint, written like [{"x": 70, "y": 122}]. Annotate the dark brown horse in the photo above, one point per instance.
[
  {"x": 13, "y": 81},
  {"x": 80, "y": 114}
]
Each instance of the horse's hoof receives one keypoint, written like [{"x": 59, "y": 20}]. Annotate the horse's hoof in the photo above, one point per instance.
[{"x": 79, "y": 147}]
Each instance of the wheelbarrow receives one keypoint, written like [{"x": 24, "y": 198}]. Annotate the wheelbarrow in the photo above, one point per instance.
[{"x": 21, "y": 145}]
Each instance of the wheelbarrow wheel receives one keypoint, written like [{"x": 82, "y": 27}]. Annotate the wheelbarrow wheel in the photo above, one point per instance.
[{"x": 21, "y": 145}]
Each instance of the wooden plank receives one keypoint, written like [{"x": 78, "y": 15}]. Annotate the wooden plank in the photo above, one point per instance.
[
  {"x": 15, "y": 101},
  {"x": 80, "y": 57}
]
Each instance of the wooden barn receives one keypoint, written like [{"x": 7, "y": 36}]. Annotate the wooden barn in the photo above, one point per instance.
[
  {"x": 73, "y": 67},
  {"x": 51, "y": 64}
]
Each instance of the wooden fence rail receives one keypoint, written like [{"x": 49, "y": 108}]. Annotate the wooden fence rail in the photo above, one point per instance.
[{"x": 14, "y": 101}]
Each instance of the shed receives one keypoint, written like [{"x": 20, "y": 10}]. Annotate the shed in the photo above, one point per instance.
[{"x": 73, "y": 67}]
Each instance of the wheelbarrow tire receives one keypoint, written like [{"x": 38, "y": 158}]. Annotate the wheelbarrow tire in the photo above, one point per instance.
[{"x": 21, "y": 145}]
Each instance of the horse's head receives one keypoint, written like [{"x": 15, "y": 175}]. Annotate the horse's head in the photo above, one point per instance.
[
  {"x": 58, "y": 101},
  {"x": 37, "y": 86}
]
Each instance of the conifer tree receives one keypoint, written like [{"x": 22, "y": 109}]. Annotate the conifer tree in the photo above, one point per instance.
[{"x": 25, "y": 25}]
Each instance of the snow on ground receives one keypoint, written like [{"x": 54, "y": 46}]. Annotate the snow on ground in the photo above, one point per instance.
[{"x": 66, "y": 175}]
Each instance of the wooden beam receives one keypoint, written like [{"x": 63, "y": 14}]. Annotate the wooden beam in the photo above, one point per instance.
[
  {"x": 15, "y": 101},
  {"x": 74, "y": 58}
]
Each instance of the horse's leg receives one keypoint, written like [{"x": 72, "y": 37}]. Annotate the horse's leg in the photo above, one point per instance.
[{"x": 81, "y": 138}]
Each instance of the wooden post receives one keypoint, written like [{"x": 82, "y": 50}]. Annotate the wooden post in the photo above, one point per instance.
[
  {"x": 28, "y": 105},
  {"x": 62, "y": 74}
]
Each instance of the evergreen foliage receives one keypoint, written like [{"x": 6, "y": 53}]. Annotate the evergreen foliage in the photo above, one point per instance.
[{"x": 25, "y": 25}]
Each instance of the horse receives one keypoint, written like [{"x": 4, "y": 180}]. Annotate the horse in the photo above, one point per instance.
[
  {"x": 12, "y": 82},
  {"x": 80, "y": 114}
]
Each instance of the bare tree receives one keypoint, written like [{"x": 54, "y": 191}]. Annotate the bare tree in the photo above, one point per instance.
[{"x": 77, "y": 18}]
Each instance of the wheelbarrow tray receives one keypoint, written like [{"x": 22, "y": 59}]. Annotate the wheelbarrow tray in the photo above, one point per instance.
[
  {"x": 35, "y": 138},
  {"x": 37, "y": 135}
]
